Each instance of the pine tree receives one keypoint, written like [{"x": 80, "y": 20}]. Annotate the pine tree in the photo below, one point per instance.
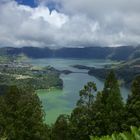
[
  {"x": 133, "y": 104},
  {"x": 107, "y": 110},
  {"x": 22, "y": 116},
  {"x": 113, "y": 102},
  {"x": 99, "y": 117},
  {"x": 60, "y": 130}
]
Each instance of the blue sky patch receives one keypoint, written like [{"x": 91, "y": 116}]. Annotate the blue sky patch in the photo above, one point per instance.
[{"x": 30, "y": 3}]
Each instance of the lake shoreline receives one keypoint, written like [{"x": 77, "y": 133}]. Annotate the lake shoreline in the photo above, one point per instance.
[{"x": 56, "y": 102}]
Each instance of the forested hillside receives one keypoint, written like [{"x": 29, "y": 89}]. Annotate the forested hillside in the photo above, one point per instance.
[
  {"x": 96, "y": 52},
  {"x": 97, "y": 114}
]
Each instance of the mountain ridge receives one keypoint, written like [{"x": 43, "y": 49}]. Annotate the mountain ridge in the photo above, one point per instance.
[{"x": 114, "y": 53}]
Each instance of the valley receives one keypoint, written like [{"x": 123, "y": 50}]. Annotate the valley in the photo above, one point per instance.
[{"x": 57, "y": 81}]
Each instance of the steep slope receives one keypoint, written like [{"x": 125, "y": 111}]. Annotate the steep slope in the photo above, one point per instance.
[{"x": 118, "y": 53}]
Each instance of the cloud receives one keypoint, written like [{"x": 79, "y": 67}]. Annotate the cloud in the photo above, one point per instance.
[{"x": 71, "y": 23}]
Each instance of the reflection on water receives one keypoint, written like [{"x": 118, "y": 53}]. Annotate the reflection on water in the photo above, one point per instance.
[{"x": 58, "y": 102}]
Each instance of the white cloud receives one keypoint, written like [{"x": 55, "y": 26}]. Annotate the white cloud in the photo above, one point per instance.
[
  {"x": 78, "y": 23},
  {"x": 53, "y": 18}
]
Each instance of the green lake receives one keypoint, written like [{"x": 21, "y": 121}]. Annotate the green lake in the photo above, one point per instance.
[{"x": 56, "y": 102}]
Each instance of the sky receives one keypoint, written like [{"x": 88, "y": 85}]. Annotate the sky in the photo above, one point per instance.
[{"x": 69, "y": 23}]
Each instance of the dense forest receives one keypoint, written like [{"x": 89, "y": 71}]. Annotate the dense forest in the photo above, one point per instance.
[{"x": 97, "y": 114}]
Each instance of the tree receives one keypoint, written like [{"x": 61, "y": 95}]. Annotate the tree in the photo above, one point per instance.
[
  {"x": 99, "y": 119},
  {"x": 107, "y": 109},
  {"x": 80, "y": 117},
  {"x": 22, "y": 116},
  {"x": 113, "y": 103},
  {"x": 100, "y": 116},
  {"x": 133, "y": 104},
  {"x": 86, "y": 95},
  {"x": 60, "y": 130}
]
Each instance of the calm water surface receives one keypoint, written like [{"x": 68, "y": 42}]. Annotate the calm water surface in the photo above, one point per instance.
[{"x": 58, "y": 102}]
